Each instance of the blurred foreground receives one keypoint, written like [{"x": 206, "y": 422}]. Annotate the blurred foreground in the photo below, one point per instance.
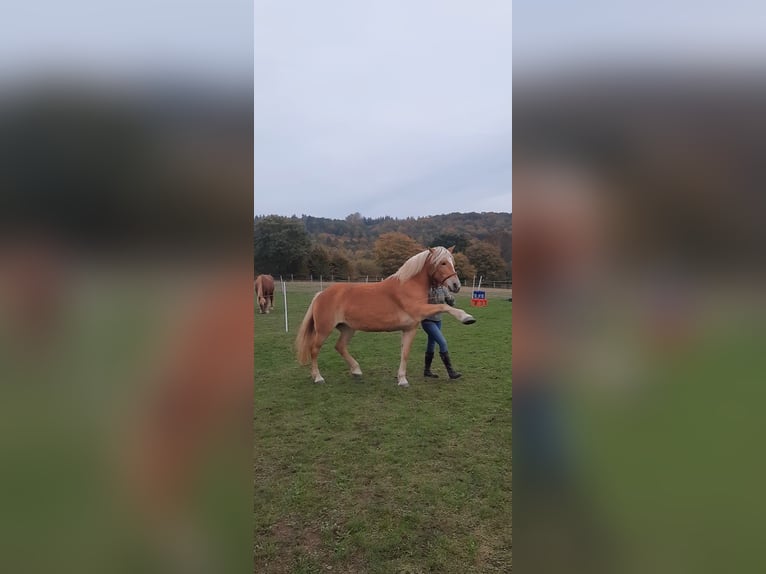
[
  {"x": 639, "y": 323},
  {"x": 125, "y": 326}
]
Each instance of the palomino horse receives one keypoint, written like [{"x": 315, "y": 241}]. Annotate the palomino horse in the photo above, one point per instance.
[
  {"x": 264, "y": 287},
  {"x": 399, "y": 303}
]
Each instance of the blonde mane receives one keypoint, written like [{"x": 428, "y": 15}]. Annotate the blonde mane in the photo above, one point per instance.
[{"x": 414, "y": 264}]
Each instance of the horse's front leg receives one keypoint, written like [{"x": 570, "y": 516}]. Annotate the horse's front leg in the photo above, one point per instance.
[
  {"x": 407, "y": 338},
  {"x": 458, "y": 314}
]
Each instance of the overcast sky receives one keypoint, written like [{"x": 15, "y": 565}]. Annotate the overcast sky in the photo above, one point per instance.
[
  {"x": 561, "y": 34},
  {"x": 208, "y": 40},
  {"x": 387, "y": 107}
]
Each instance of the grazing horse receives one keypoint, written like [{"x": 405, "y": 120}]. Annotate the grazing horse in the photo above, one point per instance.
[
  {"x": 264, "y": 287},
  {"x": 398, "y": 303}
]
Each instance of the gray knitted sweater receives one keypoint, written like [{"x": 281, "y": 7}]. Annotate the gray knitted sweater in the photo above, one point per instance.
[{"x": 438, "y": 295}]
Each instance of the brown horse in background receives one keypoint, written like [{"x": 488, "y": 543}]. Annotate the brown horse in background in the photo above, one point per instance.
[
  {"x": 398, "y": 303},
  {"x": 264, "y": 288}
]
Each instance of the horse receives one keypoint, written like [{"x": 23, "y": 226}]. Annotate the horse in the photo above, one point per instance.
[
  {"x": 264, "y": 287},
  {"x": 399, "y": 303}
]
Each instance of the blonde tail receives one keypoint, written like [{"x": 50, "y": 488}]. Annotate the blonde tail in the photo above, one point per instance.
[{"x": 305, "y": 335}]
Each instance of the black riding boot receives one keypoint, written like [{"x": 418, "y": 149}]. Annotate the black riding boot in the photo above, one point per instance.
[
  {"x": 453, "y": 374},
  {"x": 427, "y": 370}
]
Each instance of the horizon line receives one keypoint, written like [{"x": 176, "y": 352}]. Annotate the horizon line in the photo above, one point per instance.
[{"x": 294, "y": 215}]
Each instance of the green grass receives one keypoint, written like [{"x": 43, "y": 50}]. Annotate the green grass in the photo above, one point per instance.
[
  {"x": 670, "y": 462},
  {"x": 363, "y": 476}
]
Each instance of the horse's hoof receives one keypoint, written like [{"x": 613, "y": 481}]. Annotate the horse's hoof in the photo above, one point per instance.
[
  {"x": 319, "y": 381},
  {"x": 403, "y": 384},
  {"x": 357, "y": 375},
  {"x": 469, "y": 320}
]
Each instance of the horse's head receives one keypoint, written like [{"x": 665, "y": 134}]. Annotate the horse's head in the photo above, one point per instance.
[
  {"x": 262, "y": 303},
  {"x": 443, "y": 266}
]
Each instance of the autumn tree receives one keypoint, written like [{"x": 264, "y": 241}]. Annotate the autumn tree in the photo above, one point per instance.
[
  {"x": 355, "y": 225},
  {"x": 393, "y": 249},
  {"x": 487, "y": 260},
  {"x": 367, "y": 267},
  {"x": 280, "y": 245},
  {"x": 463, "y": 266},
  {"x": 340, "y": 266},
  {"x": 459, "y": 240},
  {"x": 318, "y": 261}
]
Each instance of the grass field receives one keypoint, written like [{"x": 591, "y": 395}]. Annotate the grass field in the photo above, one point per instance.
[{"x": 363, "y": 476}]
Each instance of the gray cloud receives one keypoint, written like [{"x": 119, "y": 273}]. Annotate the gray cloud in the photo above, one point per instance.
[
  {"x": 159, "y": 39},
  {"x": 386, "y": 108},
  {"x": 559, "y": 36}
]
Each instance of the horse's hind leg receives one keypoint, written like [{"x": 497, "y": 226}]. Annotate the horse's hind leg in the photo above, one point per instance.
[
  {"x": 316, "y": 345},
  {"x": 341, "y": 346}
]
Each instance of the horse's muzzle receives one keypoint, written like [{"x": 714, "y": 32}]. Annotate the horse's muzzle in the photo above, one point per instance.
[{"x": 453, "y": 285}]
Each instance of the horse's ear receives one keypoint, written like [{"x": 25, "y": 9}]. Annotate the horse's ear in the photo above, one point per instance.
[{"x": 451, "y": 248}]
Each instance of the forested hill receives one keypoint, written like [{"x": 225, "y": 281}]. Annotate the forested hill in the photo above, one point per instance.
[
  {"x": 361, "y": 246},
  {"x": 480, "y": 226},
  {"x": 357, "y": 233}
]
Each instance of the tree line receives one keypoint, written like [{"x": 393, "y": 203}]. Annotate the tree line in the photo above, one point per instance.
[{"x": 359, "y": 247}]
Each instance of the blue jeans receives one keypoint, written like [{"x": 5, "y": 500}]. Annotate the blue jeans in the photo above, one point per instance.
[{"x": 434, "y": 331}]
